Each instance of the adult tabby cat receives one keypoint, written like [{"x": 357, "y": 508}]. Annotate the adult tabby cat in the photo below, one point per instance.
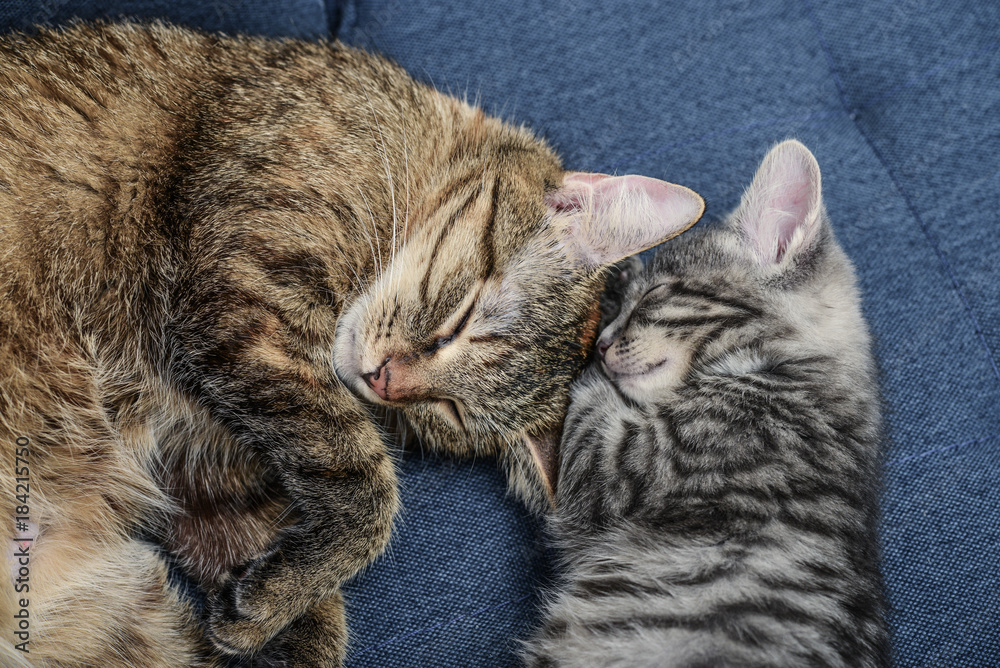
[
  {"x": 211, "y": 248},
  {"x": 717, "y": 494}
]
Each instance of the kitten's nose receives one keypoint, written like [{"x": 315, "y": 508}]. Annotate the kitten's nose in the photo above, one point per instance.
[
  {"x": 602, "y": 347},
  {"x": 378, "y": 379}
]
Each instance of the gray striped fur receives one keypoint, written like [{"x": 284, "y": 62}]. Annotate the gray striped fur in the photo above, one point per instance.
[{"x": 717, "y": 493}]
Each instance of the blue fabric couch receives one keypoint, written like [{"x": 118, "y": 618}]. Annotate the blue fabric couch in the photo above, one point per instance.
[{"x": 899, "y": 101}]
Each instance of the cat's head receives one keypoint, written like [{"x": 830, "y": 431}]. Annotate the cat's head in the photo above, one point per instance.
[
  {"x": 489, "y": 306},
  {"x": 770, "y": 285}
]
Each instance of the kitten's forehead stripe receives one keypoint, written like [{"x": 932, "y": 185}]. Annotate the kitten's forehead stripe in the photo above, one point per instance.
[{"x": 681, "y": 287}]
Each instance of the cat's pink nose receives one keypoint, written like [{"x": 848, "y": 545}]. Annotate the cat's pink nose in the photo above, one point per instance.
[
  {"x": 602, "y": 347},
  {"x": 395, "y": 380},
  {"x": 378, "y": 379}
]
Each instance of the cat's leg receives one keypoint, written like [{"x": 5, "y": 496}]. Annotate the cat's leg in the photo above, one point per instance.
[
  {"x": 230, "y": 517},
  {"x": 102, "y": 601},
  {"x": 228, "y": 510},
  {"x": 241, "y": 361},
  {"x": 344, "y": 488}
]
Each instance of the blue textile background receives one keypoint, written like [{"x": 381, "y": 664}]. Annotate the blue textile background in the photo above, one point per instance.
[
  {"x": 900, "y": 102},
  {"x": 278, "y": 18}
]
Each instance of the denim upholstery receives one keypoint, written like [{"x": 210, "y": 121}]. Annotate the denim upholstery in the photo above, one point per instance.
[{"x": 899, "y": 101}]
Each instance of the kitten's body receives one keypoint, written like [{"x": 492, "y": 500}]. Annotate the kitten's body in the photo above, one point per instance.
[
  {"x": 184, "y": 218},
  {"x": 717, "y": 497}
]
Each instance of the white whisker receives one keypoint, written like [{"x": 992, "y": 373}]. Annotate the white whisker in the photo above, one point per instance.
[
  {"x": 376, "y": 257},
  {"x": 383, "y": 153},
  {"x": 406, "y": 203}
]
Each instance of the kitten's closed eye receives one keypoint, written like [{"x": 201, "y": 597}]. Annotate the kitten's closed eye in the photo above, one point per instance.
[{"x": 642, "y": 359}]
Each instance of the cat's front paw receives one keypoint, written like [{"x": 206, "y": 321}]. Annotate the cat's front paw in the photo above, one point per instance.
[
  {"x": 248, "y": 610},
  {"x": 316, "y": 639}
]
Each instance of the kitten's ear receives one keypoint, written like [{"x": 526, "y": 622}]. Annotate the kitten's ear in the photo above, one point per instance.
[
  {"x": 782, "y": 211},
  {"x": 602, "y": 219}
]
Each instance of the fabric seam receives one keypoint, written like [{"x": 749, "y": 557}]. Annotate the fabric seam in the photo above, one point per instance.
[{"x": 853, "y": 114}]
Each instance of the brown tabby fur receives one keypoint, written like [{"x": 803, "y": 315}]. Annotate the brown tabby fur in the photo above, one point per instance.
[{"x": 183, "y": 218}]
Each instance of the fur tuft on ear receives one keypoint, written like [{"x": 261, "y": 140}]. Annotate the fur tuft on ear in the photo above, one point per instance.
[
  {"x": 602, "y": 219},
  {"x": 782, "y": 210}
]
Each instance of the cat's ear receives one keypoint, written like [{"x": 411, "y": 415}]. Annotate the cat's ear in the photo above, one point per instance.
[
  {"x": 781, "y": 212},
  {"x": 544, "y": 450},
  {"x": 602, "y": 219}
]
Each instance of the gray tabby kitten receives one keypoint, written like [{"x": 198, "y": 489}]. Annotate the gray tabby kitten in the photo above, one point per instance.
[{"x": 717, "y": 494}]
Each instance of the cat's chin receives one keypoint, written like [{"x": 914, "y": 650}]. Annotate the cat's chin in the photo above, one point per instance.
[
  {"x": 345, "y": 359},
  {"x": 442, "y": 424},
  {"x": 453, "y": 412}
]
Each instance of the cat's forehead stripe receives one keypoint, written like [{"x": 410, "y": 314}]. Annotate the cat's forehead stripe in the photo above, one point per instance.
[
  {"x": 445, "y": 231},
  {"x": 489, "y": 252}
]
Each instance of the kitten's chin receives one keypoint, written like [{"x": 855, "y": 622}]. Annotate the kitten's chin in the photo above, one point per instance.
[{"x": 645, "y": 386}]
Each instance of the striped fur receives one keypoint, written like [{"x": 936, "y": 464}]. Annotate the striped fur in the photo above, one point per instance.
[
  {"x": 717, "y": 496},
  {"x": 204, "y": 238}
]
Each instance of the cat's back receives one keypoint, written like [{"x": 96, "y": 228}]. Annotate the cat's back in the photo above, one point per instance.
[
  {"x": 90, "y": 118},
  {"x": 87, "y": 102},
  {"x": 98, "y": 126}
]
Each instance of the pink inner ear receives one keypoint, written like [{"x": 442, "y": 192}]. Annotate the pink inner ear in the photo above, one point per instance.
[
  {"x": 605, "y": 187},
  {"x": 576, "y": 193},
  {"x": 582, "y": 189},
  {"x": 783, "y": 199},
  {"x": 671, "y": 208},
  {"x": 790, "y": 206},
  {"x": 565, "y": 200},
  {"x": 667, "y": 199},
  {"x": 612, "y": 217},
  {"x": 589, "y": 178}
]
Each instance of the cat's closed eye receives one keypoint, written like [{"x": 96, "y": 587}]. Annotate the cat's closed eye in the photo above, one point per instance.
[{"x": 456, "y": 330}]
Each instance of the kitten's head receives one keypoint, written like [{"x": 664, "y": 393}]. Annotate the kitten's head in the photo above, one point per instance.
[
  {"x": 771, "y": 285},
  {"x": 489, "y": 306}
]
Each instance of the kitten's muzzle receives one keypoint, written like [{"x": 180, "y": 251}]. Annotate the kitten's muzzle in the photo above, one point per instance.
[{"x": 607, "y": 339}]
